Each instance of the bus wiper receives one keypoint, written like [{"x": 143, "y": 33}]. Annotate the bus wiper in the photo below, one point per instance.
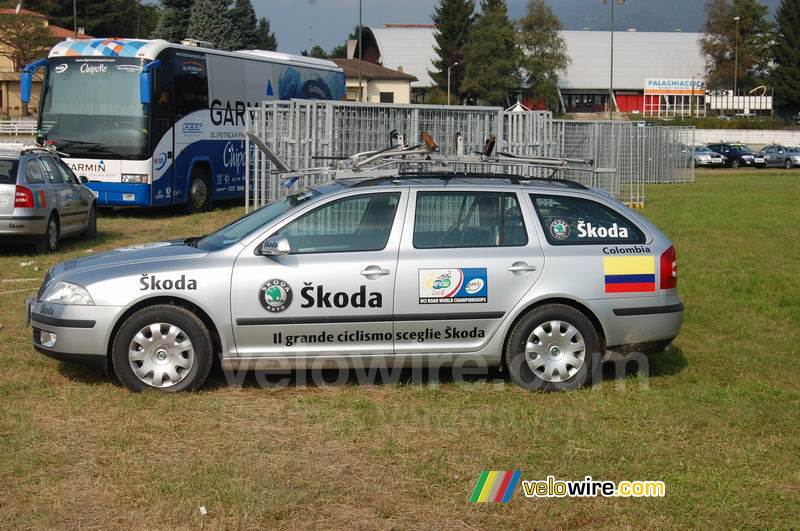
[{"x": 68, "y": 143}]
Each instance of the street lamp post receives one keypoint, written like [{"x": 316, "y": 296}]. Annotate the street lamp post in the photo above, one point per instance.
[
  {"x": 736, "y": 60},
  {"x": 692, "y": 96},
  {"x": 448, "y": 80}
]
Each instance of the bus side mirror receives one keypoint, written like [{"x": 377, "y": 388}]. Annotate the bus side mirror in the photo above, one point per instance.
[
  {"x": 145, "y": 82},
  {"x": 26, "y": 80}
]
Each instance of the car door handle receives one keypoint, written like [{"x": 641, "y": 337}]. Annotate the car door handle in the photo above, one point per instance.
[
  {"x": 521, "y": 267},
  {"x": 373, "y": 272}
]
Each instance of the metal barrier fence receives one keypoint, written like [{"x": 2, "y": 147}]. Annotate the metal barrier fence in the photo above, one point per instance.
[
  {"x": 310, "y": 134},
  {"x": 18, "y": 127}
]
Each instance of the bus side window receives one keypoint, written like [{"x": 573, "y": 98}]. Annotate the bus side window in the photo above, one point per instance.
[{"x": 191, "y": 87}]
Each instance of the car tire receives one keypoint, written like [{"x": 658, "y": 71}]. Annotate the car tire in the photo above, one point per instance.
[
  {"x": 91, "y": 225},
  {"x": 735, "y": 164},
  {"x": 162, "y": 347},
  {"x": 199, "y": 197},
  {"x": 541, "y": 357},
  {"x": 48, "y": 243},
  {"x": 788, "y": 164}
]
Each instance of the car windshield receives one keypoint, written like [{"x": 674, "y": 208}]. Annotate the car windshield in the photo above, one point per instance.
[
  {"x": 234, "y": 232},
  {"x": 742, "y": 148},
  {"x": 8, "y": 171},
  {"x": 702, "y": 149}
]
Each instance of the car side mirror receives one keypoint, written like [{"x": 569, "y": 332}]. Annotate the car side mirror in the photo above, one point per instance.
[
  {"x": 275, "y": 246},
  {"x": 780, "y": 152},
  {"x": 83, "y": 179}
]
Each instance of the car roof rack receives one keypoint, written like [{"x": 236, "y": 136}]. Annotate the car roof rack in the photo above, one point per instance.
[
  {"x": 42, "y": 148},
  {"x": 401, "y": 161}
]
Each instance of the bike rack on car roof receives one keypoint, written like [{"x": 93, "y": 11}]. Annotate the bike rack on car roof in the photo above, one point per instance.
[{"x": 402, "y": 161}]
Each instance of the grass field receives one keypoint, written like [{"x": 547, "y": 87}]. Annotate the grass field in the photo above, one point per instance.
[{"x": 719, "y": 421}]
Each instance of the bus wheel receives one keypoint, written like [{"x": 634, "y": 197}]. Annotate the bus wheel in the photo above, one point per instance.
[{"x": 199, "y": 199}]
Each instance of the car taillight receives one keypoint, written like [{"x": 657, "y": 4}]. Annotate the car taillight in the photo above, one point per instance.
[
  {"x": 669, "y": 269},
  {"x": 23, "y": 198}
]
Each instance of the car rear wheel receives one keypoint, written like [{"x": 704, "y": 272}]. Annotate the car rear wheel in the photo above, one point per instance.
[
  {"x": 49, "y": 242},
  {"x": 788, "y": 164},
  {"x": 199, "y": 199},
  {"x": 552, "y": 348},
  {"x": 162, "y": 347},
  {"x": 91, "y": 226},
  {"x": 735, "y": 164}
]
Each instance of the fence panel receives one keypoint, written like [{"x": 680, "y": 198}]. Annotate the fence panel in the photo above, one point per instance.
[{"x": 307, "y": 134}]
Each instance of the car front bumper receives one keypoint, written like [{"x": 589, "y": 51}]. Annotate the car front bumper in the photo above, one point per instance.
[{"x": 72, "y": 333}]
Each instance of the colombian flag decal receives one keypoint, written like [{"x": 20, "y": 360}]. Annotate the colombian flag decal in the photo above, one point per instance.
[
  {"x": 629, "y": 274},
  {"x": 494, "y": 486}
]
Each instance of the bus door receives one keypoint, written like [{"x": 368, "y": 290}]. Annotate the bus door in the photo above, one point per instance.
[
  {"x": 162, "y": 133},
  {"x": 191, "y": 119}
]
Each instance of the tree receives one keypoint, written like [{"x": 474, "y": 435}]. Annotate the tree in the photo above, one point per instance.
[
  {"x": 244, "y": 17},
  {"x": 786, "y": 76},
  {"x": 103, "y": 18},
  {"x": 491, "y": 55},
  {"x": 544, "y": 52},
  {"x": 453, "y": 19},
  {"x": 340, "y": 51},
  {"x": 720, "y": 41},
  {"x": 212, "y": 21},
  {"x": 174, "y": 22},
  {"x": 24, "y": 38},
  {"x": 316, "y": 51},
  {"x": 266, "y": 39}
]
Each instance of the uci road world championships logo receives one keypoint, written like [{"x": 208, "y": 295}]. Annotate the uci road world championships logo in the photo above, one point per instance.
[{"x": 275, "y": 295}]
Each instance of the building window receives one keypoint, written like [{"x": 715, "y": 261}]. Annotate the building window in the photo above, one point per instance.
[{"x": 387, "y": 97}]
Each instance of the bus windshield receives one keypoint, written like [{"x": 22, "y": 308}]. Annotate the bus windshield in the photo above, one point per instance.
[{"x": 90, "y": 107}]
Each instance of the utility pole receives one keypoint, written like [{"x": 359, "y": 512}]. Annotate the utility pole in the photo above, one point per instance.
[
  {"x": 611, "y": 76},
  {"x": 360, "y": 52},
  {"x": 75, "y": 17},
  {"x": 735, "y": 62}
]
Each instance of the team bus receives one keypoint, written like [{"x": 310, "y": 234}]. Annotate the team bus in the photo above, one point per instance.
[{"x": 153, "y": 123}]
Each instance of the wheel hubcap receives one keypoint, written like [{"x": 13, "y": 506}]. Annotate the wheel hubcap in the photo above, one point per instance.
[
  {"x": 555, "y": 351},
  {"x": 161, "y": 355},
  {"x": 199, "y": 193}
]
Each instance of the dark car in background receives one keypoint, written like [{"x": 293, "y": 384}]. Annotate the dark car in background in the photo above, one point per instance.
[
  {"x": 739, "y": 155},
  {"x": 780, "y": 156}
]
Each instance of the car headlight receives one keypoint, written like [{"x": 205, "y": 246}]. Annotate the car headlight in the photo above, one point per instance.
[
  {"x": 705, "y": 158},
  {"x": 747, "y": 157},
  {"x": 134, "y": 178},
  {"x": 67, "y": 293}
]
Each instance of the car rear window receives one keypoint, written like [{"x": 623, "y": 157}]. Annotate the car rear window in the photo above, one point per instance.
[
  {"x": 577, "y": 221},
  {"x": 8, "y": 171}
]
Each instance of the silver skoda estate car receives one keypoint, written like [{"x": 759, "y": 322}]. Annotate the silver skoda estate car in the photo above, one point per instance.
[{"x": 541, "y": 277}]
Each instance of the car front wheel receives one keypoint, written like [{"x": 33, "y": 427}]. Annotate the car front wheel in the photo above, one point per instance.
[
  {"x": 788, "y": 164},
  {"x": 735, "y": 164},
  {"x": 91, "y": 225},
  {"x": 162, "y": 347},
  {"x": 552, "y": 348}
]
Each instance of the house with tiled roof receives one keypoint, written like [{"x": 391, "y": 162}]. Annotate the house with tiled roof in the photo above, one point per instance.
[{"x": 10, "y": 104}]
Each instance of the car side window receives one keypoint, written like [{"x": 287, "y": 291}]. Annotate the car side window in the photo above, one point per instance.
[
  {"x": 66, "y": 173},
  {"x": 351, "y": 224},
  {"x": 51, "y": 172},
  {"x": 34, "y": 173},
  {"x": 468, "y": 219},
  {"x": 578, "y": 221}
]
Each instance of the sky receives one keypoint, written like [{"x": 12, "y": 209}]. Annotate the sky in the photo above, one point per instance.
[{"x": 300, "y": 24}]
